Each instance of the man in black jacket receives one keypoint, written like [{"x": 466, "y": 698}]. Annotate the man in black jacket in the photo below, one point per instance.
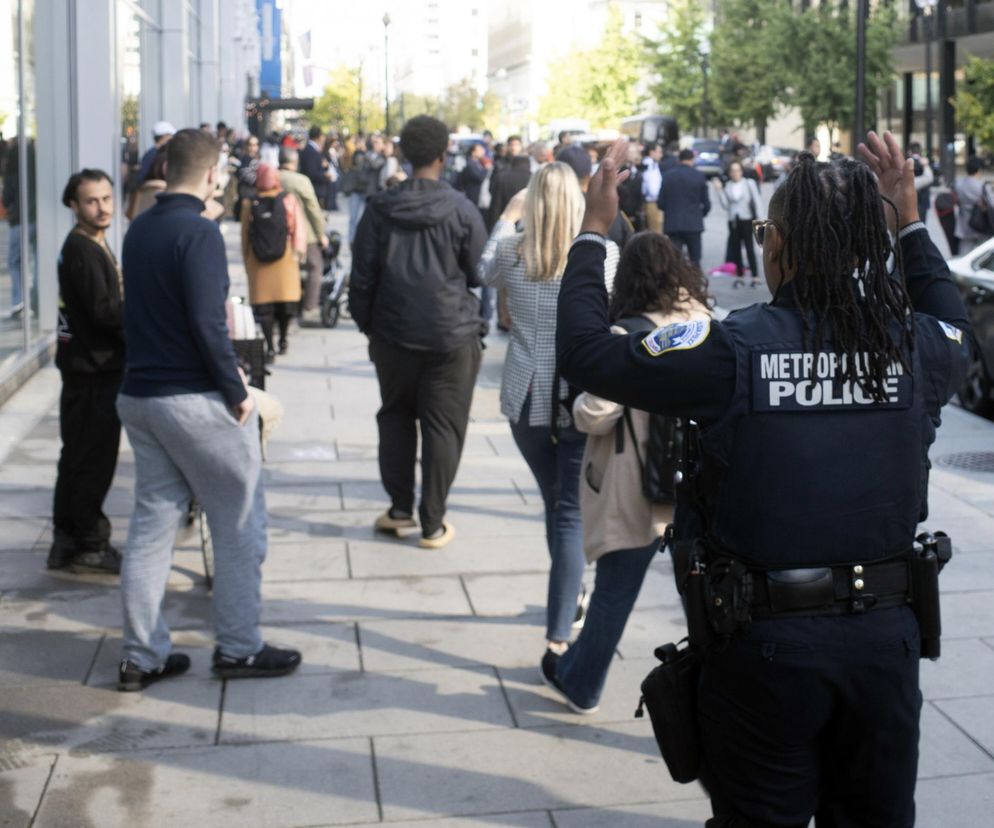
[
  {"x": 413, "y": 264},
  {"x": 90, "y": 356},
  {"x": 315, "y": 165},
  {"x": 684, "y": 200}
]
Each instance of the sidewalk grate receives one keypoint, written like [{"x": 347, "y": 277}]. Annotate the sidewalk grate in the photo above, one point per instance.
[{"x": 974, "y": 461}]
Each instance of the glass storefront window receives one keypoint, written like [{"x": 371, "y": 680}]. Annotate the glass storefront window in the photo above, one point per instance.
[
  {"x": 12, "y": 306},
  {"x": 130, "y": 25}
]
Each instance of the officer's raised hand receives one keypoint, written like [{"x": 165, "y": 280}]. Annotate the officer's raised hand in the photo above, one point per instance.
[
  {"x": 895, "y": 177},
  {"x": 602, "y": 192}
]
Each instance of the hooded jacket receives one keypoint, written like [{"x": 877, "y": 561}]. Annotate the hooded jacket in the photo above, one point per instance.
[{"x": 413, "y": 264}]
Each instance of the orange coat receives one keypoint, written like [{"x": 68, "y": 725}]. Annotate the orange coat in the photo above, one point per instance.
[{"x": 277, "y": 281}]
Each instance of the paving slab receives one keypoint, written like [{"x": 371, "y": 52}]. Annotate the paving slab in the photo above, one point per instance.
[
  {"x": 955, "y": 801},
  {"x": 534, "y": 819},
  {"x": 966, "y": 668},
  {"x": 505, "y": 770},
  {"x": 319, "y": 560},
  {"x": 968, "y": 614},
  {"x": 536, "y": 705},
  {"x": 38, "y": 657},
  {"x": 363, "y": 704},
  {"x": 944, "y": 750},
  {"x": 647, "y": 629},
  {"x": 100, "y": 719},
  {"x": 21, "y": 787},
  {"x": 18, "y": 534},
  {"x": 310, "y": 601},
  {"x": 258, "y": 786},
  {"x": 424, "y": 644},
  {"x": 974, "y": 716},
  {"x": 386, "y": 556},
  {"x": 689, "y": 814}
]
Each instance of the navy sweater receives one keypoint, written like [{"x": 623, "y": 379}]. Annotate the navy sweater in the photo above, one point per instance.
[{"x": 176, "y": 283}]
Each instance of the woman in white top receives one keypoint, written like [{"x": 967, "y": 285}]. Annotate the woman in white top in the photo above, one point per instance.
[
  {"x": 529, "y": 266},
  {"x": 622, "y": 528},
  {"x": 741, "y": 199}
]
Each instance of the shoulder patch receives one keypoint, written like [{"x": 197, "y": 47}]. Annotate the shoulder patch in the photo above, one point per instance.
[
  {"x": 951, "y": 331},
  {"x": 680, "y": 336}
]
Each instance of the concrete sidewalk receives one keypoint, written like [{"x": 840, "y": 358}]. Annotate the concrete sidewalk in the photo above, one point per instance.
[{"x": 419, "y": 702}]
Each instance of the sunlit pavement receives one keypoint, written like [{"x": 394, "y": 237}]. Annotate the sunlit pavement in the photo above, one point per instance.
[{"x": 419, "y": 698}]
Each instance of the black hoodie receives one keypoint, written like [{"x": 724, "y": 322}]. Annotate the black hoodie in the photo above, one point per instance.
[{"x": 413, "y": 262}]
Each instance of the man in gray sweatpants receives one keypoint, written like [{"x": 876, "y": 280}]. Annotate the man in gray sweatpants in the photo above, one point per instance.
[{"x": 193, "y": 428}]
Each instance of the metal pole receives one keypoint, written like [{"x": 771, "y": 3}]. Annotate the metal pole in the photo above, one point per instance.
[
  {"x": 928, "y": 84},
  {"x": 859, "y": 126},
  {"x": 386, "y": 72}
]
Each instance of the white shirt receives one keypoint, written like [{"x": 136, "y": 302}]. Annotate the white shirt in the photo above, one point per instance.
[{"x": 652, "y": 180}]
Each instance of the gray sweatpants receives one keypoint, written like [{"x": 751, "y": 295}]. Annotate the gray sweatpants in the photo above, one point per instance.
[{"x": 190, "y": 445}]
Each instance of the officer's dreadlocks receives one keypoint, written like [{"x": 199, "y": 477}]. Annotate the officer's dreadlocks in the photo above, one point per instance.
[{"x": 836, "y": 246}]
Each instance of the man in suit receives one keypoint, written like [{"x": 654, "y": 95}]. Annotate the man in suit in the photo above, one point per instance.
[
  {"x": 314, "y": 165},
  {"x": 684, "y": 200}
]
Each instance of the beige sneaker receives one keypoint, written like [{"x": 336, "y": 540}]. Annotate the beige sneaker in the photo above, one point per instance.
[
  {"x": 394, "y": 525},
  {"x": 441, "y": 538}
]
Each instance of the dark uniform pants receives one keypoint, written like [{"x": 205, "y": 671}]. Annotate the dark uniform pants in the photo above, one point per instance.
[
  {"x": 818, "y": 717},
  {"x": 91, "y": 435},
  {"x": 436, "y": 390}
]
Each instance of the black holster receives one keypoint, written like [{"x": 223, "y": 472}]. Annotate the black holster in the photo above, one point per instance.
[{"x": 931, "y": 554}]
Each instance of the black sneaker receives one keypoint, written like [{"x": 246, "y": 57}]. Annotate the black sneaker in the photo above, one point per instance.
[
  {"x": 548, "y": 669},
  {"x": 268, "y": 662},
  {"x": 105, "y": 561},
  {"x": 131, "y": 677}
]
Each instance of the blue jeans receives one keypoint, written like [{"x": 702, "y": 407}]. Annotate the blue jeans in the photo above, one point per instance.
[
  {"x": 582, "y": 670},
  {"x": 190, "y": 445},
  {"x": 557, "y": 471}
]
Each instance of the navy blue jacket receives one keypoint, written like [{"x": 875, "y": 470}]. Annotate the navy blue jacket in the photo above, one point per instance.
[
  {"x": 809, "y": 471},
  {"x": 684, "y": 200},
  {"x": 176, "y": 284},
  {"x": 314, "y": 165}
]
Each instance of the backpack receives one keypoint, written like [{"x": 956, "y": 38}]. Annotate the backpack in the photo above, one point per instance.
[
  {"x": 269, "y": 228},
  {"x": 662, "y": 465}
]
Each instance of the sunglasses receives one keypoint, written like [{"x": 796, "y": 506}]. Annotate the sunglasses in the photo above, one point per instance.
[{"x": 759, "y": 229}]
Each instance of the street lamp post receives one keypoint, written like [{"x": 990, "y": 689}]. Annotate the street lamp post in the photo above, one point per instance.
[
  {"x": 859, "y": 126},
  {"x": 926, "y": 7},
  {"x": 386, "y": 72},
  {"x": 705, "y": 51}
]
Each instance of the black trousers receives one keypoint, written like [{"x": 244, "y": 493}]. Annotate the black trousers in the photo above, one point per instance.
[
  {"x": 434, "y": 390},
  {"x": 739, "y": 235},
  {"x": 281, "y": 313},
  {"x": 692, "y": 243},
  {"x": 91, "y": 435},
  {"x": 805, "y": 717}
]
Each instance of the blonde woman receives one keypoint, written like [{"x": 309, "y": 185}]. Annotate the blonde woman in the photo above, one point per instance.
[{"x": 529, "y": 265}]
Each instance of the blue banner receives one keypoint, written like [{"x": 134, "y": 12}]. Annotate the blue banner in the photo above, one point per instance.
[{"x": 270, "y": 72}]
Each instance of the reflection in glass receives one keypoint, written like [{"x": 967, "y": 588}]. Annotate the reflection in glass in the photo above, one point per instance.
[
  {"x": 129, "y": 24},
  {"x": 29, "y": 216},
  {"x": 11, "y": 294}
]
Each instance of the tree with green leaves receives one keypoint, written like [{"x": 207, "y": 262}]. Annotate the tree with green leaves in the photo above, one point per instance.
[
  {"x": 748, "y": 81},
  {"x": 678, "y": 60},
  {"x": 462, "y": 105},
  {"x": 974, "y": 101},
  {"x": 346, "y": 103},
  {"x": 599, "y": 84},
  {"x": 823, "y": 74}
]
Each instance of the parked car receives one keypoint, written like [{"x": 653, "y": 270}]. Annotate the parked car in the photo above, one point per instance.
[
  {"x": 707, "y": 156},
  {"x": 974, "y": 272}
]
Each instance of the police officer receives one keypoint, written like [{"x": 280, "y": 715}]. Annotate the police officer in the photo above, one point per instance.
[{"x": 816, "y": 413}]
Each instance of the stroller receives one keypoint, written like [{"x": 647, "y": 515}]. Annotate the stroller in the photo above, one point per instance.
[{"x": 334, "y": 284}]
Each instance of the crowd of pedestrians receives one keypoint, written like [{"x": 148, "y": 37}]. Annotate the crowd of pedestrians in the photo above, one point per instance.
[{"x": 428, "y": 243}]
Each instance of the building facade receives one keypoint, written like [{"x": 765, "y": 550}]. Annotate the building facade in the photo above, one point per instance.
[{"x": 81, "y": 83}]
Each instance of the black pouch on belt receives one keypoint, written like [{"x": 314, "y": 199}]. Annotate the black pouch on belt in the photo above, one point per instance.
[
  {"x": 669, "y": 693},
  {"x": 925, "y": 600}
]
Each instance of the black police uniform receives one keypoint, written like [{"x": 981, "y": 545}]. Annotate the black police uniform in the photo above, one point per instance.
[{"x": 801, "y": 715}]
